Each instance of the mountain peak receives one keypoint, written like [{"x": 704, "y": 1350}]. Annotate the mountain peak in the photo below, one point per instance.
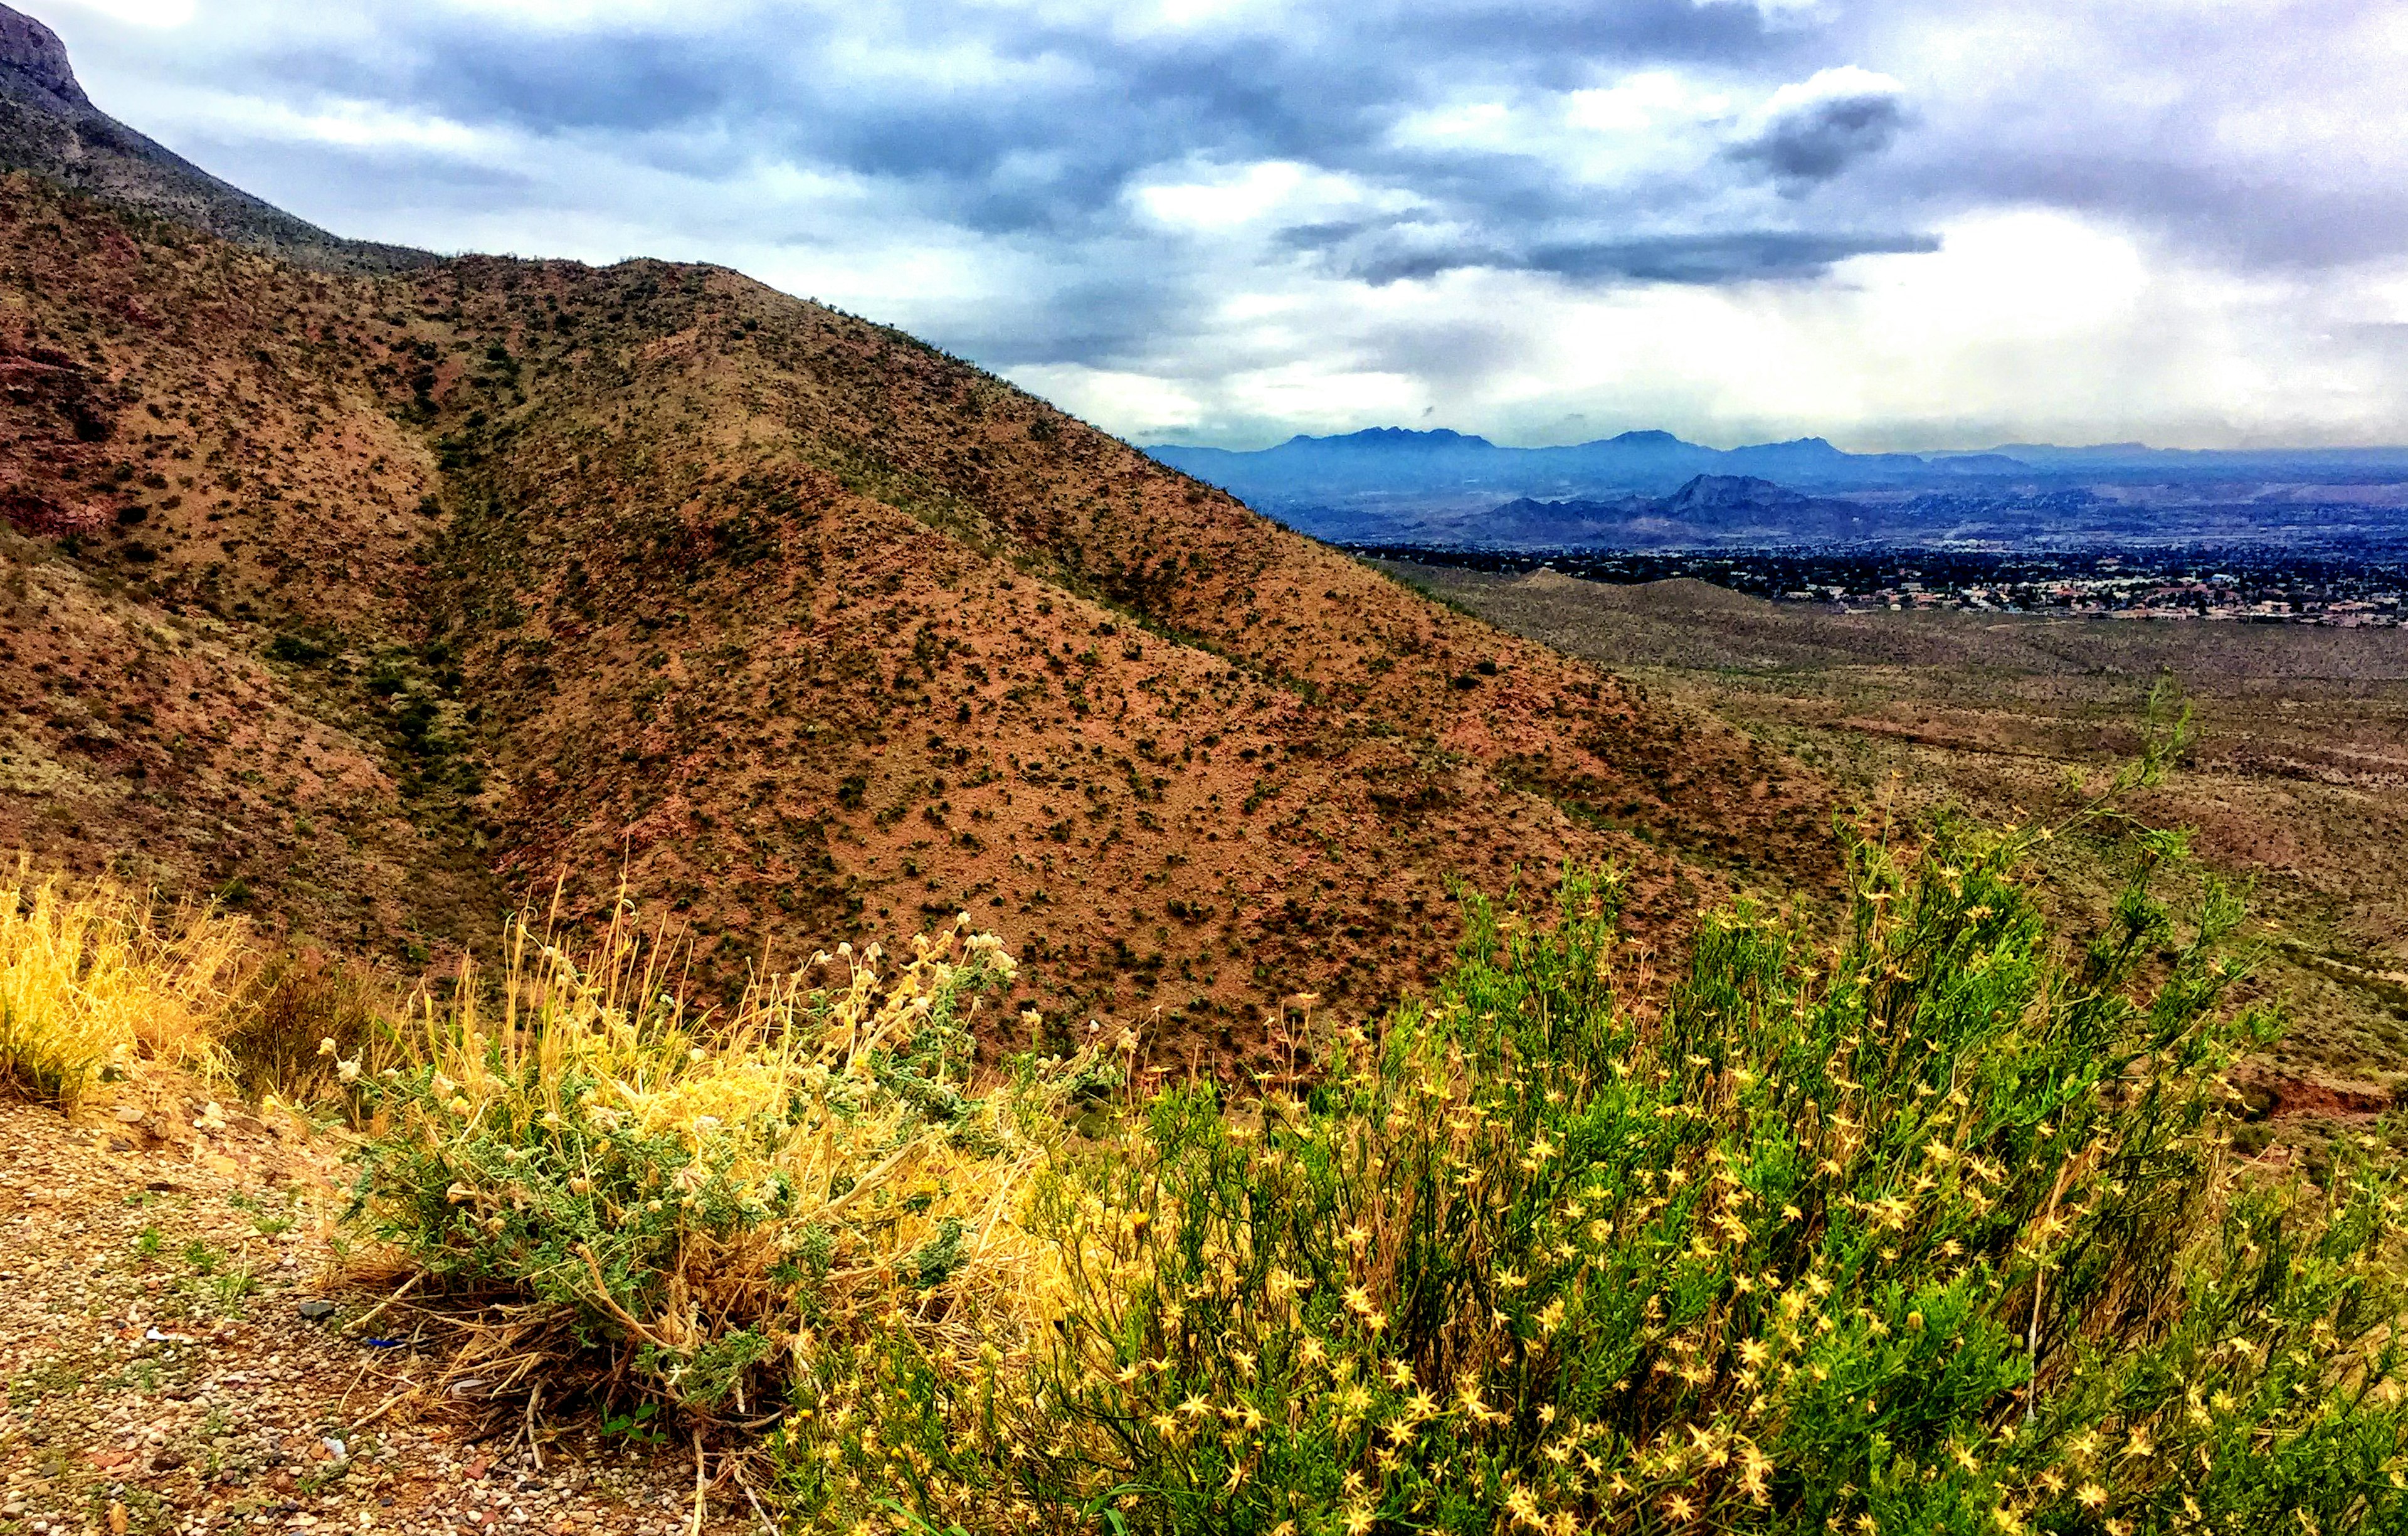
[
  {"x": 33, "y": 52},
  {"x": 1399, "y": 436},
  {"x": 50, "y": 129}
]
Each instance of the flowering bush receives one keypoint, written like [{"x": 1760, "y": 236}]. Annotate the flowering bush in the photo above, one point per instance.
[{"x": 1932, "y": 1230}]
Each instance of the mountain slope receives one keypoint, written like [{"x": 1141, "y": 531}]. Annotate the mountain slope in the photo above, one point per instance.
[
  {"x": 805, "y": 620},
  {"x": 49, "y": 126},
  {"x": 184, "y": 457},
  {"x": 498, "y": 577}
]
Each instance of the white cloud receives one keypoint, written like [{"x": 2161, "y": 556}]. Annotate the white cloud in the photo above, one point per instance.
[
  {"x": 144, "y": 13},
  {"x": 2155, "y": 219},
  {"x": 1641, "y": 102},
  {"x": 1242, "y": 196},
  {"x": 1148, "y": 405}
]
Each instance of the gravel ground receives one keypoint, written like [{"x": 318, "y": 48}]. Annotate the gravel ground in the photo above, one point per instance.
[{"x": 157, "y": 1263}]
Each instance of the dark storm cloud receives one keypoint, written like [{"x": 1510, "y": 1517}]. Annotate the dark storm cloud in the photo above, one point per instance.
[
  {"x": 1402, "y": 250},
  {"x": 1817, "y": 140},
  {"x": 994, "y": 175},
  {"x": 1057, "y": 115},
  {"x": 1032, "y": 132},
  {"x": 1048, "y": 137}
]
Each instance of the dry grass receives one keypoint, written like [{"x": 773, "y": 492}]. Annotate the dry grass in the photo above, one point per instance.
[
  {"x": 611, "y": 1193},
  {"x": 95, "y": 981}
]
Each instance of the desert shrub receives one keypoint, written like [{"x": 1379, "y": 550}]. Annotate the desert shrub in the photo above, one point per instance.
[
  {"x": 1931, "y": 1229},
  {"x": 95, "y": 980},
  {"x": 691, "y": 1209},
  {"x": 294, "y": 1015}
]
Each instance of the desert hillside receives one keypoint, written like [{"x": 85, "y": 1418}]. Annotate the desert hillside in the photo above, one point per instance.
[
  {"x": 386, "y": 603},
  {"x": 628, "y": 904}
]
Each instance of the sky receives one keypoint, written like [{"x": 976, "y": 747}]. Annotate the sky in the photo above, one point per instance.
[{"x": 1898, "y": 225}]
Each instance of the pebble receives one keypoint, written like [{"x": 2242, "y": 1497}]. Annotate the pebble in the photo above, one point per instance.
[{"x": 229, "y": 1421}]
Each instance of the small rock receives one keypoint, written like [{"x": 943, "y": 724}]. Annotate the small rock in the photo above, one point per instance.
[
  {"x": 317, "y": 1312},
  {"x": 128, "y": 1114}
]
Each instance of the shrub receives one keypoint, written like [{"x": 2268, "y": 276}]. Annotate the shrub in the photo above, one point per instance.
[
  {"x": 1931, "y": 1229},
  {"x": 278, "y": 1021},
  {"x": 695, "y": 1210},
  {"x": 92, "y": 981}
]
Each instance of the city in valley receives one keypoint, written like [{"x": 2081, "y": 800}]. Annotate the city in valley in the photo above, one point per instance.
[{"x": 2356, "y": 589}]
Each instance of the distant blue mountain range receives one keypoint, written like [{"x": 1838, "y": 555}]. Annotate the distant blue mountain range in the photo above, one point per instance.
[
  {"x": 1652, "y": 489},
  {"x": 1391, "y": 460}
]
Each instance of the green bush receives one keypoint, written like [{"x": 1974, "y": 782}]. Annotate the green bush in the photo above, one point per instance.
[{"x": 1930, "y": 1230}]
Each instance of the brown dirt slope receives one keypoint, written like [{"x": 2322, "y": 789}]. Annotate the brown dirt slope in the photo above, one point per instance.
[
  {"x": 191, "y": 455},
  {"x": 535, "y": 573}
]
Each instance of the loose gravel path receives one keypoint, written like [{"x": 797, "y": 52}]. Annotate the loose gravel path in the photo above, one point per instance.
[{"x": 161, "y": 1373}]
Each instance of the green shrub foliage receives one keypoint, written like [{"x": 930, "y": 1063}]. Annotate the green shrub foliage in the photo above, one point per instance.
[{"x": 1933, "y": 1228}]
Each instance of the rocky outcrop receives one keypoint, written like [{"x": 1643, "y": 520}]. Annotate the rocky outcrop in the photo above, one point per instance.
[
  {"x": 32, "y": 58},
  {"x": 50, "y": 127}
]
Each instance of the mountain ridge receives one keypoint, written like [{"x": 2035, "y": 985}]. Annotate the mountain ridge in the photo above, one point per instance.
[
  {"x": 1654, "y": 461},
  {"x": 380, "y": 603},
  {"x": 50, "y": 127}
]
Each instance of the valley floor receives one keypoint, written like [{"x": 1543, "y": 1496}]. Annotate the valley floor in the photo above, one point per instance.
[
  {"x": 160, "y": 1375},
  {"x": 2299, "y": 782}
]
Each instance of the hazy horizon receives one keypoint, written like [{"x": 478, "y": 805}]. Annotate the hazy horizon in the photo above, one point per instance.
[{"x": 1935, "y": 450}]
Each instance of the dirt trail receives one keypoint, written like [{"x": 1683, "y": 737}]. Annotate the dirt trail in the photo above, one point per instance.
[{"x": 156, "y": 1361}]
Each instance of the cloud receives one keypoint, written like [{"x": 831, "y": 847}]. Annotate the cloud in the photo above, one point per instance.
[
  {"x": 1224, "y": 205},
  {"x": 1814, "y": 131}
]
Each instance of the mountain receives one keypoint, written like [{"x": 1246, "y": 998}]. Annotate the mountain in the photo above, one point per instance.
[
  {"x": 1744, "y": 506},
  {"x": 1391, "y": 486},
  {"x": 379, "y": 602},
  {"x": 49, "y": 126},
  {"x": 1386, "y": 465}
]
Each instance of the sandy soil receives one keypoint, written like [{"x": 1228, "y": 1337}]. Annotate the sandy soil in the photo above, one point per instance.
[{"x": 161, "y": 1376}]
